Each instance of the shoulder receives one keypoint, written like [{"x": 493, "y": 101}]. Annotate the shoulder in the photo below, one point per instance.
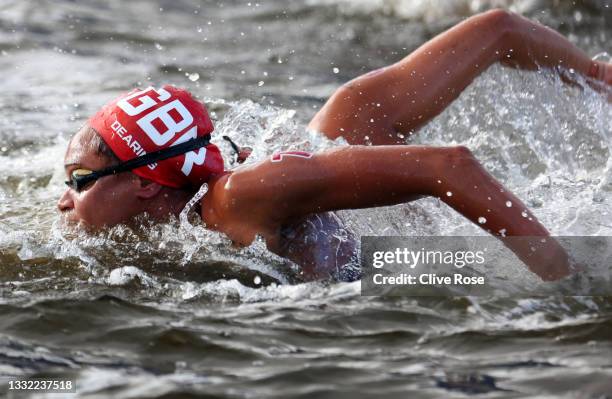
[
  {"x": 270, "y": 192},
  {"x": 232, "y": 210},
  {"x": 222, "y": 203}
]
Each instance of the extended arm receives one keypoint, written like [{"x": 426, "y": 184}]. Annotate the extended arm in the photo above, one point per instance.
[
  {"x": 363, "y": 177},
  {"x": 383, "y": 105}
]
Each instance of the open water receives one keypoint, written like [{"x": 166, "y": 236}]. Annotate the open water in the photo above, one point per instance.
[{"x": 173, "y": 311}]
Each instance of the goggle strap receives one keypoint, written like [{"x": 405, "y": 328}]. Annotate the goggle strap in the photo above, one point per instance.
[
  {"x": 143, "y": 160},
  {"x": 152, "y": 157}
]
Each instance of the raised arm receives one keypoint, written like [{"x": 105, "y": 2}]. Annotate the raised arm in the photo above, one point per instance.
[
  {"x": 363, "y": 177},
  {"x": 381, "y": 107}
]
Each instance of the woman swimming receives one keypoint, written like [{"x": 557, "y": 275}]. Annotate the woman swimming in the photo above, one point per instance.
[{"x": 162, "y": 136}]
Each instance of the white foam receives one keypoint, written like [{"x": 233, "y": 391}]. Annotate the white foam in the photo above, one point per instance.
[{"x": 125, "y": 275}]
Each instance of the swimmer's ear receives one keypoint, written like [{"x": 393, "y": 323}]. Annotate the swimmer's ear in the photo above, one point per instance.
[{"x": 148, "y": 189}]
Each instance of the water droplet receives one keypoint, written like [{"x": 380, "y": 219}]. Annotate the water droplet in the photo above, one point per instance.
[
  {"x": 193, "y": 76},
  {"x": 159, "y": 46},
  {"x": 449, "y": 194},
  {"x": 257, "y": 280},
  {"x": 509, "y": 204},
  {"x": 336, "y": 70},
  {"x": 502, "y": 232},
  {"x": 482, "y": 220},
  {"x": 524, "y": 214},
  {"x": 260, "y": 83},
  {"x": 578, "y": 16}
]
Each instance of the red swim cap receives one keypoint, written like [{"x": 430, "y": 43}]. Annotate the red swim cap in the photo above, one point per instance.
[{"x": 143, "y": 121}]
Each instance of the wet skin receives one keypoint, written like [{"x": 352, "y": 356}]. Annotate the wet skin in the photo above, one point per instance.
[
  {"x": 278, "y": 199},
  {"x": 275, "y": 199},
  {"x": 381, "y": 107},
  {"x": 117, "y": 199},
  {"x": 265, "y": 197},
  {"x": 96, "y": 206}
]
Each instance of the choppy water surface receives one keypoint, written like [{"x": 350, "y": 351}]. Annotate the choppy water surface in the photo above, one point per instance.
[{"x": 173, "y": 311}]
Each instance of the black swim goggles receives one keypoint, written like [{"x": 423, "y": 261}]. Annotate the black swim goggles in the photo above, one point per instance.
[{"x": 80, "y": 178}]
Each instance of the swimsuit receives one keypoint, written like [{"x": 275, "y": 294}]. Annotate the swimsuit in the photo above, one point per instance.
[{"x": 322, "y": 246}]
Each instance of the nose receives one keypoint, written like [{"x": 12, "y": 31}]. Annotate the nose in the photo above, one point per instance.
[{"x": 65, "y": 203}]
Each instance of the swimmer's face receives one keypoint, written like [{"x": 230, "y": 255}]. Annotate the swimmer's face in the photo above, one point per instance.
[{"x": 109, "y": 200}]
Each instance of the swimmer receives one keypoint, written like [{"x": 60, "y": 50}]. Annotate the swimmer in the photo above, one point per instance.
[{"x": 149, "y": 151}]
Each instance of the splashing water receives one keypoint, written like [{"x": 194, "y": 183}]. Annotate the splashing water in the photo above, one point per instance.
[
  {"x": 552, "y": 152},
  {"x": 190, "y": 204},
  {"x": 174, "y": 308}
]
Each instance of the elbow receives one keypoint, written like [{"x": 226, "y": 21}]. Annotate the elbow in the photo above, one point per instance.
[
  {"x": 456, "y": 155},
  {"x": 461, "y": 152},
  {"x": 502, "y": 22},
  {"x": 499, "y": 18},
  {"x": 449, "y": 164}
]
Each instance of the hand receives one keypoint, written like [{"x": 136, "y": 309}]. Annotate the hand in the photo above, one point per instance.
[{"x": 543, "y": 255}]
